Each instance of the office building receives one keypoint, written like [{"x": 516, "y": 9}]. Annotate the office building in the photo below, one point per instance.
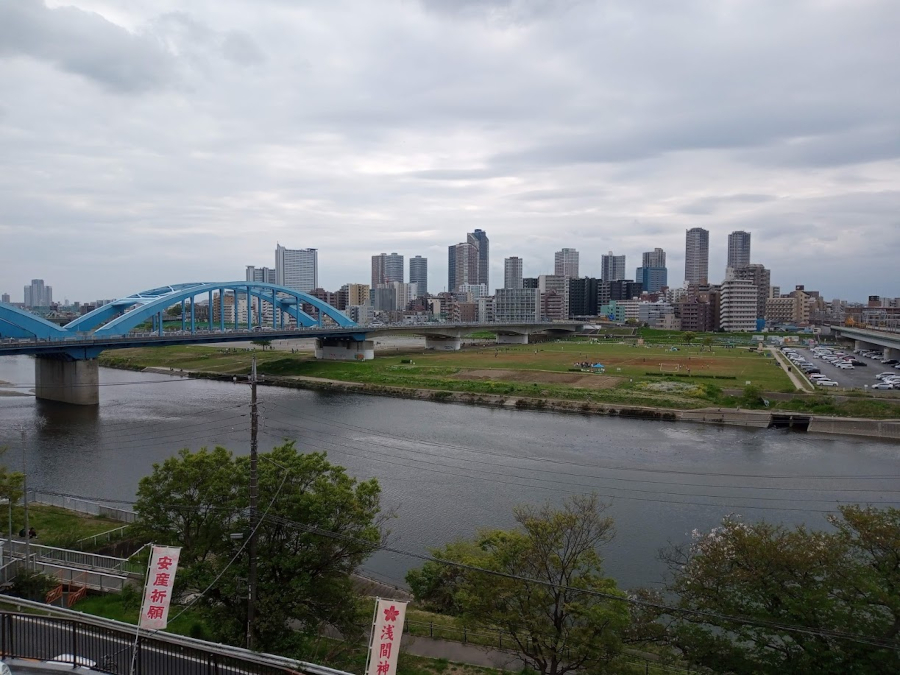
[
  {"x": 512, "y": 272},
  {"x": 583, "y": 296},
  {"x": 653, "y": 279},
  {"x": 761, "y": 278},
  {"x": 738, "y": 249},
  {"x": 621, "y": 289},
  {"x": 462, "y": 261},
  {"x": 566, "y": 263},
  {"x": 418, "y": 274},
  {"x": 737, "y": 306},
  {"x": 480, "y": 241},
  {"x": 514, "y": 305},
  {"x": 261, "y": 275},
  {"x": 386, "y": 268},
  {"x": 612, "y": 267},
  {"x": 37, "y": 294},
  {"x": 696, "y": 256},
  {"x": 297, "y": 269}
]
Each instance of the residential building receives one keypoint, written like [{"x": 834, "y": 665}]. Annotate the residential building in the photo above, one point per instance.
[
  {"x": 654, "y": 258},
  {"x": 780, "y": 310},
  {"x": 514, "y": 305},
  {"x": 529, "y": 282},
  {"x": 622, "y": 289},
  {"x": 418, "y": 274},
  {"x": 357, "y": 294},
  {"x": 297, "y": 269},
  {"x": 384, "y": 297},
  {"x": 468, "y": 312},
  {"x": 738, "y": 249},
  {"x": 361, "y": 314},
  {"x": 553, "y": 283},
  {"x": 612, "y": 267},
  {"x": 261, "y": 275},
  {"x": 485, "y": 309},
  {"x": 737, "y": 306},
  {"x": 474, "y": 291},
  {"x": 696, "y": 315},
  {"x": 566, "y": 263},
  {"x": 464, "y": 267},
  {"x": 654, "y": 313},
  {"x": 387, "y": 268},
  {"x": 512, "y": 272},
  {"x": 583, "y": 296},
  {"x": 480, "y": 241},
  {"x": 4, "y": 298},
  {"x": 696, "y": 256},
  {"x": 775, "y": 292},
  {"x": 37, "y": 294},
  {"x": 553, "y": 306},
  {"x": 760, "y": 277}
]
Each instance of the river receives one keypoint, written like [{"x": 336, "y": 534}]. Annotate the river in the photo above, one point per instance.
[{"x": 447, "y": 469}]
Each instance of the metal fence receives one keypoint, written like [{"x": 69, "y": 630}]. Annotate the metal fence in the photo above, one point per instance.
[
  {"x": 70, "y": 557},
  {"x": 104, "y": 537},
  {"x": 81, "y": 506}
]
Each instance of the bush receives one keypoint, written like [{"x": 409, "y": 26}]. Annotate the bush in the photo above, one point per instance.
[{"x": 32, "y": 585}]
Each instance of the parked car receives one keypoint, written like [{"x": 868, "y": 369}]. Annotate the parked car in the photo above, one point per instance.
[
  {"x": 891, "y": 362},
  {"x": 827, "y": 383},
  {"x": 882, "y": 385},
  {"x": 881, "y": 376}
]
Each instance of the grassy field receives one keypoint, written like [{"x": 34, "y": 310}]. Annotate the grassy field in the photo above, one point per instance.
[
  {"x": 55, "y": 526},
  {"x": 126, "y": 607}
]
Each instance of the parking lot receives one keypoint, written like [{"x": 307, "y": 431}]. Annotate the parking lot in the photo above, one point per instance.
[{"x": 857, "y": 378}]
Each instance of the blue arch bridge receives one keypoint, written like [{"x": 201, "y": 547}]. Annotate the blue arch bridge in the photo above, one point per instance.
[{"x": 66, "y": 366}]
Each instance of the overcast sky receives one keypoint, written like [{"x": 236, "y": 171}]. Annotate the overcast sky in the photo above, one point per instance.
[{"x": 158, "y": 141}]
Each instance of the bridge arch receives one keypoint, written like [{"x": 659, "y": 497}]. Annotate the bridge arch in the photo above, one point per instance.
[{"x": 125, "y": 314}]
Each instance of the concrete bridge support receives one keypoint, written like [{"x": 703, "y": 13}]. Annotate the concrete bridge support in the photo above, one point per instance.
[
  {"x": 336, "y": 349},
  {"x": 512, "y": 339},
  {"x": 443, "y": 343},
  {"x": 891, "y": 353},
  {"x": 75, "y": 382}
]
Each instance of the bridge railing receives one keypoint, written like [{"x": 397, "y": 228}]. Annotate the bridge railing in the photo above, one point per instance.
[
  {"x": 67, "y": 556},
  {"x": 81, "y": 505}
]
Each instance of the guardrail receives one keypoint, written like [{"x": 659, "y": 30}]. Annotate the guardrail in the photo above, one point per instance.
[
  {"x": 107, "y": 536},
  {"x": 81, "y": 506},
  {"x": 89, "y": 561},
  {"x": 109, "y": 644}
]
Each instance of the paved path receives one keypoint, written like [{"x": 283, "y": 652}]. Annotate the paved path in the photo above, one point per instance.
[
  {"x": 789, "y": 368},
  {"x": 462, "y": 653}
]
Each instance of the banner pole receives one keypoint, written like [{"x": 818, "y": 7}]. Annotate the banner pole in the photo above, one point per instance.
[
  {"x": 372, "y": 635},
  {"x": 137, "y": 630}
]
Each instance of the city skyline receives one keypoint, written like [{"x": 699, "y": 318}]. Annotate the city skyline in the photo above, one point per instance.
[{"x": 154, "y": 147}]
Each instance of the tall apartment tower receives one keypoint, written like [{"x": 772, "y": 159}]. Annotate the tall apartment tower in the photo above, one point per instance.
[
  {"x": 462, "y": 265},
  {"x": 612, "y": 267},
  {"x": 512, "y": 272},
  {"x": 566, "y": 263},
  {"x": 418, "y": 274},
  {"x": 265, "y": 275},
  {"x": 761, "y": 278},
  {"x": 654, "y": 258},
  {"x": 297, "y": 269},
  {"x": 386, "y": 268},
  {"x": 480, "y": 241},
  {"x": 37, "y": 294},
  {"x": 738, "y": 249},
  {"x": 696, "y": 256},
  {"x": 652, "y": 273}
]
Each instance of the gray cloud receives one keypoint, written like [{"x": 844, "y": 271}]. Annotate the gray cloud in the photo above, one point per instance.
[{"x": 83, "y": 43}]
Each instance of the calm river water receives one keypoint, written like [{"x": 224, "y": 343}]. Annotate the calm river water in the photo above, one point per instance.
[{"x": 448, "y": 470}]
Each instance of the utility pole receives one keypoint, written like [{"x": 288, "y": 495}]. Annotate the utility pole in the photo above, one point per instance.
[
  {"x": 251, "y": 580},
  {"x": 25, "y": 503}
]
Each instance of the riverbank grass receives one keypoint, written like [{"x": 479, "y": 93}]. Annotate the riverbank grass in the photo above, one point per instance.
[{"x": 55, "y": 526}]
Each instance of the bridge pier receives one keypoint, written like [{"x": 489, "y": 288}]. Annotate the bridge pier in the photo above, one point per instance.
[
  {"x": 443, "y": 343},
  {"x": 512, "y": 339},
  {"x": 338, "y": 349},
  {"x": 891, "y": 353},
  {"x": 66, "y": 381}
]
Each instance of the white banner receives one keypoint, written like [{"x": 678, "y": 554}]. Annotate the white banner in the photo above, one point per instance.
[
  {"x": 160, "y": 584},
  {"x": 384, "y": 647}
]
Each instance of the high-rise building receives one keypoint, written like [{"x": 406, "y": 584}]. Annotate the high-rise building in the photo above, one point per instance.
[
  {"x": 566, "y": 263},
  {"x": 37, "y": 294},
  {"x": 761, "y": 278},
  {"x": 583, "y": 295},
  {"x": 262, "y": 275},
  {"x": 558, "y": 285},
  {"x": 513, "y": 305},
  {"x": 738, "y": 249},
  {"x": 4, "y": 298},
  {"x": 612, "y": 267},
  {"x": 621, "y": 289},
  {"x": 418, "y": 274},
  {"x": 696, "y": 256},
  {"x": 297, "y": 269},
  {"x": 357, "y": 294},
  {"x": 652, "y": 279},
  {"x": 480, "y": 241},
  {"x": 654, "y": 258},
  {"x": 512, "y": 272},
  {"x": 386, "y": 268},
  {"x": 463, "y": 261},
  {"x": 737, "y": 306}
]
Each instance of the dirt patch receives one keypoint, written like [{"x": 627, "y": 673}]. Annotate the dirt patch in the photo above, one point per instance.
[{"x": 583, "y": 380}]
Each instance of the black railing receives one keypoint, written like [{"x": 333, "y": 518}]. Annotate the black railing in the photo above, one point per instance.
[{"x": 109, "y": 650}]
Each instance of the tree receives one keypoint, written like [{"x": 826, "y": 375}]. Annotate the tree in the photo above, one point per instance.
[
  {"x": 537, "y": 595},
  {"x": 265, "y": 344},
  {"x": 320, "y": 524},
  {"x": 708, "y": 343},
  {"x": 174, "y": 310},
  {"x": 11, "y": 482},
  {"x": 689, "y": 337},
  {"x": 845, "y": 581}
]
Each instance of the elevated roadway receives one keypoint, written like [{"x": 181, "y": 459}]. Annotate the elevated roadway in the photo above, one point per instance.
[{"x": 866, "y": 338}]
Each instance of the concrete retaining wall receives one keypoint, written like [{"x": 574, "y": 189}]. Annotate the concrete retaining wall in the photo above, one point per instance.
[{"x": 856, "y": 427}]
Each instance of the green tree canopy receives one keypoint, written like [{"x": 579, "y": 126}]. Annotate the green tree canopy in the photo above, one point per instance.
[
  {"x": 197, "y": 500},
  {"x": 11, "y": 482},
  {"x": 845, "y": 581},
  {"x": 543, "y": 566}
]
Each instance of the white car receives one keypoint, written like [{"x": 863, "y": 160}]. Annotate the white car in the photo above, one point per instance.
[
  {"x": 881, "y": 376},
  {"x": 883, "y": 385},
  {"x": 817, "y": 376},
  {"x": 844, "y": 366},
  {"x": 827, "y": 383}
]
